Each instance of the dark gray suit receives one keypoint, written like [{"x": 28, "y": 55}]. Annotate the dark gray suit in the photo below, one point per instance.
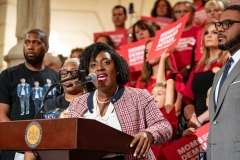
[{"x": 224, "y": 136}]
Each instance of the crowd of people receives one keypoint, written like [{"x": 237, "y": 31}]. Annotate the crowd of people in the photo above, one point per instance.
[{"x": 170, "y": 97}]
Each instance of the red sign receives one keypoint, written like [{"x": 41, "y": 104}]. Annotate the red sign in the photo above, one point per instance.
[
  {"x": 167, "y": 38},
  {"x": 119, "y": 37},
  {"x": 162, "y": 22},
  {"x": 134, "y": 54},
  {"x": 188, "y": 148},
  {"x": 197, "y": 5},
  {"x": 119, "y": 51},
  {"x": 199, "y": 49},
  {"x": 200, "y": 17}
]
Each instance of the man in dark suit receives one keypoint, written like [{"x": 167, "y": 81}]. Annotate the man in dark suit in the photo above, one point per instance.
[{"x": 224, "y": 135}]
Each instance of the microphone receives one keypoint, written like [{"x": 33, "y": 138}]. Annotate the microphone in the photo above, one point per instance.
[
  {"x": 80, "y": 74},
  {"x": 90, "y": 78}
]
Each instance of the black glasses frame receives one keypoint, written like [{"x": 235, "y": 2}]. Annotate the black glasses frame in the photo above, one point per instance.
[
  {"x": 226, "y": 24},
  {"x": 65, "y": 72}
]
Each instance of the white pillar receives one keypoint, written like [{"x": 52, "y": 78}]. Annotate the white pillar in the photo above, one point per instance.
[{"x": 31, "y": 14}]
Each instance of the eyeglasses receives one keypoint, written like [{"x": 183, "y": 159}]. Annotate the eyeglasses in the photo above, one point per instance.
[
  {"x": 226, "y": 24},
  {"x": 65, "y": 72}
]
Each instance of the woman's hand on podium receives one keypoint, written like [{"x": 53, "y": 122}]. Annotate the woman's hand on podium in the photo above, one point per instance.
[{"x": 143, "y": 141}]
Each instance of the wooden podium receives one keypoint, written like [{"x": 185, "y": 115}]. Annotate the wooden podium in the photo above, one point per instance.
[{"x": 66, "y": 138}]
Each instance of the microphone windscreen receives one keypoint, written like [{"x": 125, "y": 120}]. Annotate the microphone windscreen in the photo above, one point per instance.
[{"x": 93, "y": 76}]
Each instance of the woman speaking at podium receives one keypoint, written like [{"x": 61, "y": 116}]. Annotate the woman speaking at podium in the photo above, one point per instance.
[{"x": 130, "y": 110}]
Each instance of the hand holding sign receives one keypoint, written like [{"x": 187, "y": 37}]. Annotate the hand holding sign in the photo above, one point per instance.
[
  {"x": 134, "y": 54},
  {"x": 165, "y": 55},
  {"x": 188, "y": 148},
  {"x": 167, "y": 38},
  {"x": 189, "y": 132}
]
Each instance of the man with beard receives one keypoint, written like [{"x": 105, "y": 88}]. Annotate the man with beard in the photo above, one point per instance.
[
  {"x": 34, "y": 48},
  {"x": 224, "y": 110}
]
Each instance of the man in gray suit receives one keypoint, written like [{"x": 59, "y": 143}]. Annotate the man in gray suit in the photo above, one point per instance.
[{"x": 224, "y": 135}]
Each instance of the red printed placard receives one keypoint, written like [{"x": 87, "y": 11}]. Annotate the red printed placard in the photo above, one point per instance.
[
  {"x": 119, "y": 51},
  {"x": 200, "y": 17},
  {"x": 197, "y": 5},
  {"x": 162, "y": 22},
  {"x": 134, "y": 54},
  {"x": 167, "y": 38},
  {"x": 188, "y": 148},
  {"x": 199, "y": 49},
  {"x": 119, "y": 37}
]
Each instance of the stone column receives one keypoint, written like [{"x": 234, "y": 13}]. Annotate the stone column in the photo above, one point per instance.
[{"x": 31, "y": 14}]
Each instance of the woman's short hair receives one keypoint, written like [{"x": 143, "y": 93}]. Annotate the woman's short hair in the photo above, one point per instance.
[
  {"x": 152, "y": 27},
  {"x": 214, "y": 3},
  {"x": 193, "y": 9},
  {"x": 72, "y": 60},
  {"x": 91, "y": 52}
]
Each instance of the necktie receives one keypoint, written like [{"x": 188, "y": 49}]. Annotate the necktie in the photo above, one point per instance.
[{"x": 225, "y": 73}]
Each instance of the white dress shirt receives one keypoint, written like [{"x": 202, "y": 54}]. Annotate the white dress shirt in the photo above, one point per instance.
[{"x": 236, "y": 58}]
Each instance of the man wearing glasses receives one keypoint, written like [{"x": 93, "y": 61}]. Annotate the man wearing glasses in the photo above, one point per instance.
[
  {"x": 224, "y": 135},
  {"x": 184, "y": 51}
]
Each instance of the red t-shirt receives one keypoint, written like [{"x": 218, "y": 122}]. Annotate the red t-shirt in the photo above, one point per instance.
[
  {"x": 173, "y": 120},
  {"x": 173, "y": 62},
  {"x": 178, "y": 83},
  {"x": 133, "y": 77},
  {"x": 183, "y": 50}
]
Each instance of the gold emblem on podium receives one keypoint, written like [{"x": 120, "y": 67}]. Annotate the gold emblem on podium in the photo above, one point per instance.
[{"x": 33, "y": 134}]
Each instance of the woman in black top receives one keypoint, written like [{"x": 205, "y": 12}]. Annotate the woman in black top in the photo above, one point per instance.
[{"x": 70, "y": 68}]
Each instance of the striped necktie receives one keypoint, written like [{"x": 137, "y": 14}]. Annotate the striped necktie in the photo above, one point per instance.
[{"x": 225, "y": 73}]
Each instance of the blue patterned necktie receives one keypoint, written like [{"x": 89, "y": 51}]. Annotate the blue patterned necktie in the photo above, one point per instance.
[{"x": 225, "y": 73}]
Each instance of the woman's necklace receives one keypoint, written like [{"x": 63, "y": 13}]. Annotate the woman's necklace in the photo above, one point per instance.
[
  {"x": 208, "y": 64},
  {"x": 107, "y": 100}
]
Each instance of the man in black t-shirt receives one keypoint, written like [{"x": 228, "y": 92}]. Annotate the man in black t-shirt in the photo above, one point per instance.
[{"x": 12, "y": 105}]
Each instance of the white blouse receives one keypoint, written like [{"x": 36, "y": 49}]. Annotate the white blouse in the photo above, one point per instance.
[{"x": 110, "y": 118}]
